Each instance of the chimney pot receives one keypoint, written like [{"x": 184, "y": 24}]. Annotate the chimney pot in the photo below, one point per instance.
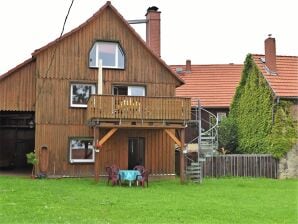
[
  {"x": 270, "y": 54},
  {"x": 188, "y": 66},
  {"x": 153, "y": 29},
  {"x": 152, "y": 8}
]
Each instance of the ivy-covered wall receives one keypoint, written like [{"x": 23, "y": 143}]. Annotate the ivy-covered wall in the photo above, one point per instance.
[{"x": 257, "y": 123}]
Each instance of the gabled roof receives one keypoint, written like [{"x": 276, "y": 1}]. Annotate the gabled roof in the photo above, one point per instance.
[
  {"x": 285, "y": 83},
  {"x": 24, "y": 63},
  {"x": 96, "y": 15},
  {"x": 213, "y": 85}
]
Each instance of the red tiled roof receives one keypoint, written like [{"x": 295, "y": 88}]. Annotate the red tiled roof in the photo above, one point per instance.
[
  {"x": 213, "y": 85},
  {"x": 285, "y": 83}
]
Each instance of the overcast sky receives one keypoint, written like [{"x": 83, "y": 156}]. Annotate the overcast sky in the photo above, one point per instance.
[{"x": 205, "y": 31}]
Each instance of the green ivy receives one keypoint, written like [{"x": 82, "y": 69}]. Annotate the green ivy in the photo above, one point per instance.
[{"x": 259, "y": 124}]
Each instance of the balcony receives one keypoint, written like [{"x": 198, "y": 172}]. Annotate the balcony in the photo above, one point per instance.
[{"x": 138, "y": 111}]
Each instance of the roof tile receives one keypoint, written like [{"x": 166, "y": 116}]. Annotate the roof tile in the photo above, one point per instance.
[
  {"x": 285, "y": 82},
  {"x": 214, "y": 85}
]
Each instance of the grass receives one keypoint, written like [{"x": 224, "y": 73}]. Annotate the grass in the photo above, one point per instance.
[{"x": 228, "y": 200}]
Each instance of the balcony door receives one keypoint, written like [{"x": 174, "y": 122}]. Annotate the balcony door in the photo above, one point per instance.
[
  {"x": 136, "y": 152},
  {"x": 129, "y": 90}
]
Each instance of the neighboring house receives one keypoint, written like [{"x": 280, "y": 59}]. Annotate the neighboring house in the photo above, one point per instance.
[
  {"x": 99, "y": 84},
  {"x": 281, "y": 73},
  {"x": 212, "y": 86}
]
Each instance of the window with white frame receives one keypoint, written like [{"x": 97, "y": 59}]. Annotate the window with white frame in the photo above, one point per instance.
[
  {"x": 81, "y": 150},
  {"x": 110, "y": 53},
  {"x": 80, "y": 93}
]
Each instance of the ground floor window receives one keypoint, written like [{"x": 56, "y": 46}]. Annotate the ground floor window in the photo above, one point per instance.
[{"x": 81, "y": 150}]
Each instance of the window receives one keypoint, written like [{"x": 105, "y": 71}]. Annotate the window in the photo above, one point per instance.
[
  {"x": 129, "y": 90},
  {"x": 220, "y": 116},
  {"x": 81, "y": 150},
  {"x": 80, "y": 93},
  {"x": 110, "y": 53}
]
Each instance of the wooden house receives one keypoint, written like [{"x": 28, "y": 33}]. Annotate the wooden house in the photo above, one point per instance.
[{"x": 98, "y": 85}]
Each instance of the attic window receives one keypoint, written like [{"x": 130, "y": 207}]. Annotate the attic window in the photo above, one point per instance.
[{"x": 110, "y": 53}]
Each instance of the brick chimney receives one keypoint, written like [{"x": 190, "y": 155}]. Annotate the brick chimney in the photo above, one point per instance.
[
  {"x": 153, "y": 29},
  {"x": 270, "y": 54},
  {"x": 188, "y": 66}
]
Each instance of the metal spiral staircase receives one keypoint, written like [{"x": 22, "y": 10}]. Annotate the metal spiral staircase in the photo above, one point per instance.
[{"x": 204, "y": 144}]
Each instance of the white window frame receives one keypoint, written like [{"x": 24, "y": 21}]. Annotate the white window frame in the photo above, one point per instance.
[
  {"x": 72, "y": 96},
  {"x": 116, "y": 53},
  {"x": 71, "y": 141},
  {"x": 130, "y": 88}
]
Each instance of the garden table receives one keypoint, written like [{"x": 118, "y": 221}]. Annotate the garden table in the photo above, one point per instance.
[{"x": 129, "y": 175}]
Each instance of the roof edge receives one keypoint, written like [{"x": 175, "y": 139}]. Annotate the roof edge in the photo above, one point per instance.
[
  {"x": 19, "y": 66},
  {"x": 37, "y": 51},
  {"x": 288, "y": 97},
  {"x": 264, "y": 76},
  {"x": 288, "y": 56}
]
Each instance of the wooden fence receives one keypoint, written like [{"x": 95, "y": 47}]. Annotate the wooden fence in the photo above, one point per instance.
[{"x": 242, "y": 165}]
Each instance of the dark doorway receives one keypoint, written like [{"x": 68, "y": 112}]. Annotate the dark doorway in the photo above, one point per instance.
[
  {"x": 17, "y": 138},
  {"x": 136, "y": 152}
]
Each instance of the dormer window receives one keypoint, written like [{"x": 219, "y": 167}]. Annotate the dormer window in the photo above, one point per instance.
[{"x": 110, "y": 53}]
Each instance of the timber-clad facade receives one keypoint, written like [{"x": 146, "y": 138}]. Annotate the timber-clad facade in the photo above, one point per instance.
[{"x": 54, "y": 87}]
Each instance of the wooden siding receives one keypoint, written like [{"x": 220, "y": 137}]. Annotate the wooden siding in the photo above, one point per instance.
[
  {"x": 17, "y": 90},
  {"x": 71, "y": 58},
  {"x": 56, "y": 121},
  {"x": 54, "y": 104},
  {"x": 70, "y": 64},
  {"x": 56, "y": 137},
  {"x": 138, "y": 108},
  {"x": 159, "y": 149}
]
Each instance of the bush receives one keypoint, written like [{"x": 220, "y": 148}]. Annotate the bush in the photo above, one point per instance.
[
  {"x": 227, "y": 135},
  {"x": 31, "y": 159}
]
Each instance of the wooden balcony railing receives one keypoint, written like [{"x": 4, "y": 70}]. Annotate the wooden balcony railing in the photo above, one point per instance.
[{"x": 163, "y": 109}]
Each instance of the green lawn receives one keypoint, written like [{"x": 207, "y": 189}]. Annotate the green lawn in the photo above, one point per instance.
[{"x": 233, "y": 200}]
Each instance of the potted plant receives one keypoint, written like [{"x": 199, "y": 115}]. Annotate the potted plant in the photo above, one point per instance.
[{"x": 31, "y": 159}]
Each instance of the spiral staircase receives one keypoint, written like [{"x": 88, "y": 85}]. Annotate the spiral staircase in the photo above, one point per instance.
[{"x": 204, "y": 144}]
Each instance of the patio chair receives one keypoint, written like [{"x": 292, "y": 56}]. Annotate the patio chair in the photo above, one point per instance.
[
  {"x": 144, "y": 178},
  {"x": 113, "y": 174},
  {"x": 140, "y": 168}
]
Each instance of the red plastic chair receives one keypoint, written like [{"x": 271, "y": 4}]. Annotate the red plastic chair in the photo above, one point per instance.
[
  {"x": 144, "y": 178},
  {"x": 140, "y": 168},
  {"x": 113, "y": 174}
]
